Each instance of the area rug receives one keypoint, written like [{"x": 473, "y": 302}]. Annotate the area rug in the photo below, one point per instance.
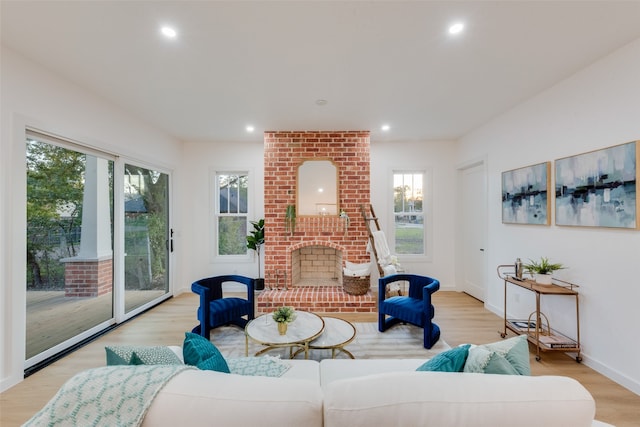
[{"x": 398, "y": 342}]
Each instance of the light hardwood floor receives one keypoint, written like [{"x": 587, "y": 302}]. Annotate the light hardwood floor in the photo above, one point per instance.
[{"x": 461, "y": 318}]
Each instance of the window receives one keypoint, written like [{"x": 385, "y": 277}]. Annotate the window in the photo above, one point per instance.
[
  {"x": 232, "y": 191},
  {"x": 408, "y": 210}
]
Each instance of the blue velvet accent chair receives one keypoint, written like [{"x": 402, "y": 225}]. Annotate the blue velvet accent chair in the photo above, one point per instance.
[
  {"x": 415, "y": 308},
  {"x": 216, "y": 310}
]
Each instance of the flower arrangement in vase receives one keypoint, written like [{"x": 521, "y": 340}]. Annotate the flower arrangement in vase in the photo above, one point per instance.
[
  {"x": 542, "y": 271},
  {"x": 283, "y": 316}
]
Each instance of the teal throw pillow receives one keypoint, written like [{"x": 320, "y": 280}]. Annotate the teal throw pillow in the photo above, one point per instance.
[
  {"x": 200, "y": 352},
  {"x": 265, "y": 366},
  {"x": 448, "y": 361},
  {"x": 510, "y": 356},
  {"x": 144, "y": 355}
]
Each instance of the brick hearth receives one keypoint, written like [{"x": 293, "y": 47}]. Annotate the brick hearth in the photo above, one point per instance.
[{"x": 319, "y": 299}]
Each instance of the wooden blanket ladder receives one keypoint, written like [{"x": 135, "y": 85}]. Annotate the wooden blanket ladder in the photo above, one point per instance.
[{"x": 370, "y": 216}]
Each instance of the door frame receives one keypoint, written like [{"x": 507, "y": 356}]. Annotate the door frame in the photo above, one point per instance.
[
  {"x": 120, "y": 314},
  {"x": 460, "y": 218}
]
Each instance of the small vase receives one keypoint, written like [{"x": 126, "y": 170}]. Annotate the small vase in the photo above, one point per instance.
[{"x": 282, "y": 328}]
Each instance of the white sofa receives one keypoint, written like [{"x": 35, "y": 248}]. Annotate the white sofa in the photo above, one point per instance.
[{"x": 370, "y": 392}]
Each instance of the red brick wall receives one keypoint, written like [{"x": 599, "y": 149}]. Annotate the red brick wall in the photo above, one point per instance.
[
  {"x": 283, "y": 153},
  {"x": 88, "y": 278}
]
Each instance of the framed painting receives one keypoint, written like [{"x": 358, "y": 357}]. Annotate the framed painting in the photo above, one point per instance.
[
  {"x": 525, "y": 195},
  {"x": 598, "y": 188}
]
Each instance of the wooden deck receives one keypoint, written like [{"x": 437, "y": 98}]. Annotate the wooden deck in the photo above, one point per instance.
[{"x": 53, "y": 318}]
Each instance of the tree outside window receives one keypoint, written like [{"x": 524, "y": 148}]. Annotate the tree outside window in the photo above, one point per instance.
[
  {"x": 231, "y": 212},
  {"x": 408, "y": 212}
]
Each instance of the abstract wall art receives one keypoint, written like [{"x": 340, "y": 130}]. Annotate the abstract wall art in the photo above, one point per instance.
[
  {"x": 525, "y": 195},
  {"x": 598, "y": 188}
]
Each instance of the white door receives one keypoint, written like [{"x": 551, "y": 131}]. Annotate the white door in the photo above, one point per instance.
[{"x": 474, "y": 225}]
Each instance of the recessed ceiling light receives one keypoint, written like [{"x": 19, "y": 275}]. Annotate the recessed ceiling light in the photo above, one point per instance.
[
  {"x": 168, "y": 32},
  {"x": 250, "y": 128},
  {"x": 321, "y": 102},
  {"x": 456, "y": 28},
  {"x": 385, "y": 127}
]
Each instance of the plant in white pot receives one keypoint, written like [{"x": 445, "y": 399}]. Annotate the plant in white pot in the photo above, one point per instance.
[
  {"x": 542, "y": 271},
  {"x": 255, "y": 240}
]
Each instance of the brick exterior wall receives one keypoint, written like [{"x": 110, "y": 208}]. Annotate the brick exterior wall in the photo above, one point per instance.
[
  {"x": 284, "y": 151},
  {"x": 88, "y": 278}
]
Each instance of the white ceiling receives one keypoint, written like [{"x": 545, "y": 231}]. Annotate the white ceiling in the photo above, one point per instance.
[{"x": 266, "y": 63}]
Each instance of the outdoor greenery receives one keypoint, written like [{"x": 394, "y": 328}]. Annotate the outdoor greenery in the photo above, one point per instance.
[
  {"x": 55, "y": 183},
  {"x": 409, "y": 213},
  {"x": 147, "y": 230},
  {"x": 232, "y": 232},
  {"x": 404, "y": 201},
  {"x": 55, "y": 187},
  {"x": 409, "y": 240},
  {"x": 233, "y": 191}
]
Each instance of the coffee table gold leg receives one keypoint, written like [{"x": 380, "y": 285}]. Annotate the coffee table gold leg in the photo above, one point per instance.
[
  {"x": 348, "y": 352},
  {"x": 246, "y": 345}
]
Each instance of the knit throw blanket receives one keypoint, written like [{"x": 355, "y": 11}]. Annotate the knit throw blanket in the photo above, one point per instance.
[{"x": 109, "y": 396}]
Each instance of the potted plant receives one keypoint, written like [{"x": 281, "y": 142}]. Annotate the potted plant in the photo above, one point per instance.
[
  {"x": 283, "y": 316},
  {"x": 542, "y": 271},
  {"x": 255, "y": 240},
  {"x": 290, "y": 219}
]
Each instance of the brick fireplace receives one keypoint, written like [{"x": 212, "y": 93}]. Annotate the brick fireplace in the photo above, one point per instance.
[{"x": 313, "y": 255}]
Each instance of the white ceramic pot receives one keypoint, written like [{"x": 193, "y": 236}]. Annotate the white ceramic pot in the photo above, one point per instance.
[{"x": 544, "y": 279}]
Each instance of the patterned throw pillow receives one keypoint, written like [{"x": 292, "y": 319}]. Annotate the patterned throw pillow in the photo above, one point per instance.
[
  {"x": 448, "y": 361},
  {"x": 200, "y": 352},
  {"x": 265, "y": 366},
  {"x": 141, "y": 355},
  {"x": 509, "y": 356}
]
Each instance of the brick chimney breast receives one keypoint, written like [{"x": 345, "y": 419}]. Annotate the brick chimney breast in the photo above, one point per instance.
[{"x": 284, "y": 151}]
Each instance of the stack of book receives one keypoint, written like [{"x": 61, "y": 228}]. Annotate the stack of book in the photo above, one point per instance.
[{"x": 554, "y": 341}]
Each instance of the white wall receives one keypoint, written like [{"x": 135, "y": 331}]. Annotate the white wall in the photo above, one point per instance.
[
  {"x": 596, "y": 108},
  {"x": 31, "y": 96},
  {"x": 437, "y": 158},
  {"x": 201, "y": 160}
]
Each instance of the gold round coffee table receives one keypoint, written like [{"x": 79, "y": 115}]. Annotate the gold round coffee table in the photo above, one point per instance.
[
  {"x": 336, "y": 334},
  {"x": 264, "y": 330}
]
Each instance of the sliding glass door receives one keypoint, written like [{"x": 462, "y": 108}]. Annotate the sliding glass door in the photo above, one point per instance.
[
  {"x": 147, "y": 239},
  {"x": 69, "y": 279},
  {"x": 98, "y": 243}
]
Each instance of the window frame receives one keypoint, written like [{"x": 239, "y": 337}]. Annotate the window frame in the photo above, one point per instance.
[
  {"x": 427, "y": 215},
  {"x": 216, "y": 257}
]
